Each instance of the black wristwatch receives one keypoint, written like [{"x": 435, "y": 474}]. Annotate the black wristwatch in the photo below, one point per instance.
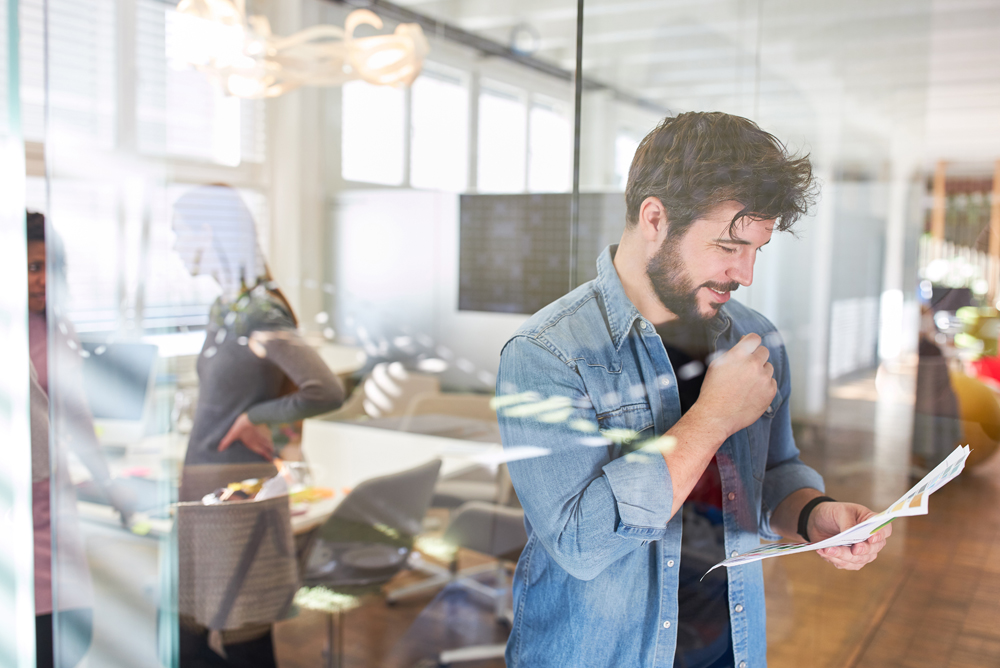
[{"x": 806, "y": 511}]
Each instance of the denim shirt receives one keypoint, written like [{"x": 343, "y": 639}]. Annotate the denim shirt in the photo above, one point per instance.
[{"x": 583, "y": 388}]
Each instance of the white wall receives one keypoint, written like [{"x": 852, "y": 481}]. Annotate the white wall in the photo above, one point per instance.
[
  {"x": 396, "y": 275},
  {"x": 390, "y": 256}
]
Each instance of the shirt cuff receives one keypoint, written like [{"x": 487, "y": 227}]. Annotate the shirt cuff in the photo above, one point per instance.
[
  {"x": 781, "y": 481},
  {"x": 640, "y": 483}
]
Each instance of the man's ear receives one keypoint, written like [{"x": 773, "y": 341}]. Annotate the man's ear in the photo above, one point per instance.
[{"x": 652, "y": 225}]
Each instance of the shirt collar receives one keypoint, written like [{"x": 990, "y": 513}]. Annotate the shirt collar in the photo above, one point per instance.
[{"x": 621, "y": 312}]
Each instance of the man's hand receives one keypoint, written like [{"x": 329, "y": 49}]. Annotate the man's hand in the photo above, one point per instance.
[
  {"x": 257, "y": 437},
  {"x": 830, "y": 518},
  {"x": 739, "y": 386}
]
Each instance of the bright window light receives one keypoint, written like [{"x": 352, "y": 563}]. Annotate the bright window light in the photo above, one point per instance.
[
  {"x": 372, "y": 133},
  {"x": 502, "y": 143},
  {"x": 179, "y": 112},
  {"x": 625, "y": 147},
  {"x": 440, "y": 141},
  {"x": 551, "y": 151}
]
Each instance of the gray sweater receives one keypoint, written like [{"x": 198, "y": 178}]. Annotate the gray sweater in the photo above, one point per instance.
[{"x": 251, "y": 352}]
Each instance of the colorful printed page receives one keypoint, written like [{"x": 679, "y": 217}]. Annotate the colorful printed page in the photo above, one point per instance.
[{"x": 914, "y": 502}]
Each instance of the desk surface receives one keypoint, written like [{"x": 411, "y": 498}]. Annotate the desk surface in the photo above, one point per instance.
[
  {"x": 434, "y": 424},
  {"x": 342, "y": 360},
  {"x": 313, "y": 515},
  {"x": 344, "y": 454},
  {"x": 341, "y": 455}
]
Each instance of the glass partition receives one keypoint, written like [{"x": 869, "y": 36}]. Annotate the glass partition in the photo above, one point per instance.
[
  {"x": 275, "y": 292},
  {"x": 24, "y": 450},
  {"x": 867, "y": 95}
]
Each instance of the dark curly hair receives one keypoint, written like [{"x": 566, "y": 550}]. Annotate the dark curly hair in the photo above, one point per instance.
[
  {"x": 695, "y": 161},
  {"x": 35, "y": 225},
  {"x": 35, "y": 229}
]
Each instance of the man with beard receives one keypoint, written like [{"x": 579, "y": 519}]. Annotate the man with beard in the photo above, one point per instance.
[{"x": 663, "y": 408}]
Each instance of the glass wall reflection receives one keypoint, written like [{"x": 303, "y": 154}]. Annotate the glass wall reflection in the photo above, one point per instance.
[{"x": 268, "y": 328}]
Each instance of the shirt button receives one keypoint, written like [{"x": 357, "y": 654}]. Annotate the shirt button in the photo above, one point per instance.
[
  {"x": 666, "y": 624},
  {"x": 734, "y": 554},
  {"x": 732, "y": 496},
  {"x": 743, "y": 664},
  {"x": 670, "y": 563},
  {"x": 642, "y": 325},
  {"x": 739, "y": 607}
]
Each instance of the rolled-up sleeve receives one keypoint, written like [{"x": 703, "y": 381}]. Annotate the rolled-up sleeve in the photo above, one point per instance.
[
  {"x": 785, "y": 472},
  {"x": 318, "y": 390},
  {"x": 640, "y": 483},
  {"x": 587, "y": 506}
]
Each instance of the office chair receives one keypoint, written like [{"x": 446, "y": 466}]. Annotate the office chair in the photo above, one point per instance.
[
  {"x": 491, "y": 529},
  {"x": 385, "y": 392},
  {"x": 480, "y": 483},
  {"x": 369, "y": 536}
]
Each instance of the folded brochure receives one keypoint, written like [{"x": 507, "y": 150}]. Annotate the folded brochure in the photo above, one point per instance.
[{"x": 914, "y": 502}]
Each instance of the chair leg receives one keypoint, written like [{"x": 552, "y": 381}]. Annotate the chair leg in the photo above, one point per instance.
[
  {"x": 328, "y": 652},
  {"x": 440, "y": 577},
  {"x": 500, "y": 604},
  {"x": 340, "y": 640},
  {"x": 433, "y": 582},
  {"x": 334, "y": 653},
  {"x": 478, "y": 653}
]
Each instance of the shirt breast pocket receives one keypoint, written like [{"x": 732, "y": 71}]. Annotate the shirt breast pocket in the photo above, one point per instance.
[
  {"x": 627, "y": 426},
  {"x": 759, "y": 434}
]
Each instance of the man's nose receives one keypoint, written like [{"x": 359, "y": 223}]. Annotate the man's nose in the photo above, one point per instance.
[{"x": 741, "y": 270}]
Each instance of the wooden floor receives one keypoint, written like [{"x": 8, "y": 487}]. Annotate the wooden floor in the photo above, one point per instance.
[
  {"x": 408, "y": 634},
  {"x": 931, "y": 600}
]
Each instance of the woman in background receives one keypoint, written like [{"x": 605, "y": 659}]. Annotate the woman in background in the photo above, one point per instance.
[
  {"x": 254, "y": 368},
  {"x": 53, "y": 495}
]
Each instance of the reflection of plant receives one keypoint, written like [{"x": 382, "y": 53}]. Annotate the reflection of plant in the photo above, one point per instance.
[
  {"x": 437, "y": 548},
  {"x": 325, "y": 600},
  {"x": 285, "y": 433},
  {"x": 958, "y": 268},
  {"x": 982, "y": 326}
]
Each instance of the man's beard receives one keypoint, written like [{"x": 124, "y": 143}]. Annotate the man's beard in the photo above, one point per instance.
[{"x": 673, "y": 285}]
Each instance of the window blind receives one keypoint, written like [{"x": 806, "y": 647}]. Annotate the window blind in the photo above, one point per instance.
[
  {"x": 179, "y": 112},
  {"x": 82, "y": 71}
]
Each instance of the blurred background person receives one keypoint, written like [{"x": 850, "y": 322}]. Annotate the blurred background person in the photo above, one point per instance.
[
  {"x": 76, "y": 424},
  {"x": 54, "y": 497},
  {"x": 254, "y": 370}
]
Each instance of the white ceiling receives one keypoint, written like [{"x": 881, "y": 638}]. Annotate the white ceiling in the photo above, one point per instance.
[{"x": 862, "y": 80}]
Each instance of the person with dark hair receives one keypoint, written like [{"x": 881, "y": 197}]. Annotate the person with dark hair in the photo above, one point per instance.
[
  {"x": 662, "y": 408},
  {"x": 54, "y": 497},
  {"x": 254, "y": 370}
]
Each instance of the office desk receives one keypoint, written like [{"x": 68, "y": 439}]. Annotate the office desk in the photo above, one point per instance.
[
  {"x": 345, "y": 454},
  {"x": 161, "y": 458},
  {"x": 342, "y": 360},
  {"x": 302, "y": 522},
  {"x": 341, "y": 454}
]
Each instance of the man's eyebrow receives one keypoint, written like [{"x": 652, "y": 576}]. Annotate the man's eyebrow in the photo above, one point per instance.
[{"x": 739, "y": 242}]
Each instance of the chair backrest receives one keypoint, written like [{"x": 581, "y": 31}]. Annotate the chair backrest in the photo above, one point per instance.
[
  {"x": 386, "y": 392},
  {"x": 197, "y": 480},
  {"x": 475, "y": 406},
  {"x": 487, "y": 528},
  {"x": 236, "y": 562},
  {"x": 396, "y": 502},
  {"x": 505, "y": 489}
]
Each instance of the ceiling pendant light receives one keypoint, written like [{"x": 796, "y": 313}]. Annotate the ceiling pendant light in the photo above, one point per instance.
[{"x": 247, "y": 60}]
